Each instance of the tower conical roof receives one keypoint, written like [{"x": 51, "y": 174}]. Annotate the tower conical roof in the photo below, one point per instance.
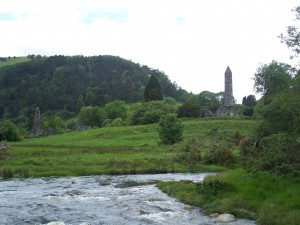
[{"x": 228, "y": 70}]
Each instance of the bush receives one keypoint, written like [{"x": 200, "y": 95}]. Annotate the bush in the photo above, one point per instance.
[
  {"x": 170, "y": 129},
  {"x": 116, "y": 109},
  {"x": 219, "y": 154},
  {"x": 190, "y": 110},
  {"x": 9, "y": 131},
  {"x": 278, "y": 153},
  {"x": 149, "y": 112},
  {"x": 190, "y": 153},
  {"x": 5, "y": 151},
  {"x": 118, "y": 122},
  {"x": 92, "y": 116},
  {"x": 56, "y": 123},
  {"x": 213, "y": 187}
]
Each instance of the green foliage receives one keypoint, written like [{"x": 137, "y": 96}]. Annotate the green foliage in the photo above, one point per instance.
[
  {"x": 291, "y": 39},
  {"x": 118, "y": 122},
  {"x": 92, "y": 116},
  {"x": 271, "y": 79},
  {"x": 56, "y": 123},
  {"x": 219, "y": 154},
  {"x": 189, "y": 109},
  {"x": 211, "y": 188},
  {"x": 149, "y": 112},
  {"x": 265, "y": 198},
  {"x": 153, "y": 91},
  {"x": 249, "y": 102},
  {"x": 9, "y": 131},
  {"x": 9, "y": 61},
  {"x": 116, "y": 109},
  {"x": 7, "y": 173},
  {"x": 5, "y": 151},
  {"x": 170, "y": 129},
  {"x": 69, "y": 83},
  {"x": 277, "y": 153},
  {"x": 207, "y": 98},
  {"x": 282, "y": 114},
  {"x": 189, "y": 153}
]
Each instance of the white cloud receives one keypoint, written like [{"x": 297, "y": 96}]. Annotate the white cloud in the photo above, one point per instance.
[{"x": 192, "y": 41}]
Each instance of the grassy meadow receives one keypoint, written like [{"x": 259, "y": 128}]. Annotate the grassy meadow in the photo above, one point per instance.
[
  {"x": 13, "y": 60},
  {"x": 111, "y": 150}
]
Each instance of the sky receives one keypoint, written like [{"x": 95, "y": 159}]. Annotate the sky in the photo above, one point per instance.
[{"x": 191, "y": 41}]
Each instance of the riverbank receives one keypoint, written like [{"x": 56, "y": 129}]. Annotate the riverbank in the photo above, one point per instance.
[
  {"x": 135, "y": 150},
  {"x": 268, "y": 199}
]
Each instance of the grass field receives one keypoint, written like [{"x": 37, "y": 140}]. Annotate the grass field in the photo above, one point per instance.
[
  {"x": 13, "y": 60},
  {"x": 112, "y": 150}
]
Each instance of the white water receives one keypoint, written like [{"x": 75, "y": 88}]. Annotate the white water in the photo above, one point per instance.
[{"x": 83, "y": 200}]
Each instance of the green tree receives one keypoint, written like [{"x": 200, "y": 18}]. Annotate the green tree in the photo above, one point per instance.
[
  {"x": 116, "y": 109},
  {"x": 92, "y": 116},
  {"x": 170, "y": 129},
  {"x": 153, "y": 90},
  {"x": 249, "y": 102},
  {"x": 291, "y": 39},
  {"x": 282, "y": 115},
  {"x": 9, "y": 131},
  {"x": 207, "y": 98},
  {"x": 271, "y": 79},
  {"x": 149, "y": 112},
  {"x": 190, "y": 110}
]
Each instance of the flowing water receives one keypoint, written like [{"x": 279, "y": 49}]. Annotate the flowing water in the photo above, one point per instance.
[{"x": 97, "y": 200}]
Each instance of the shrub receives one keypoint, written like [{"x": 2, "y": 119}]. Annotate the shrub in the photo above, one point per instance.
[
  {"x": 116, "y": 109},
  {"x": 277, "y": 153},
  {"x": 190, "y": 110},
  {"x": 92, "y": 116},
  {"x": 118, "y": 122},
  {"x": 213, "y": 187},
  {"x": 149, "y": 112},
  {"x": 9, "y": 131},
  {"x": 56, "y": 123},
  {"x": 219, "y": 154},
  {"x": 5, "y": 151},
  {"x": 170, "y": 129}
]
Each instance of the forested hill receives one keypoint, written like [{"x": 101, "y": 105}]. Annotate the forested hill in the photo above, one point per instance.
[{"x": 68, "y": 83}]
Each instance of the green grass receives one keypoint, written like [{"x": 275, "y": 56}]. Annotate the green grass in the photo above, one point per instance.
[
  {"x": 266, "y": 198},
  {"x": 13, "y": 61},
  {"x": 111, "y": 150}
]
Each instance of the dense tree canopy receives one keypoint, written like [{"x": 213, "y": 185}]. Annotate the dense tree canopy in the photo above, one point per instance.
[
  {"x": 272, "y": 78},
  {"x": 69, "y": 83}
]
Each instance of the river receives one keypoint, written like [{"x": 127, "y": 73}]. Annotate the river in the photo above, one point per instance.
[{"x": 94, "y": 200}]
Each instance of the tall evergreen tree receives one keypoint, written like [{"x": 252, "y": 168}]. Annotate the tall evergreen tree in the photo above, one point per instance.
[{"x": 153, "y": 90}]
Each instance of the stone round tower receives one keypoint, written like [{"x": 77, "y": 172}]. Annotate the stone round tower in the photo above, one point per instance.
[{"x": 228, "y": 96}]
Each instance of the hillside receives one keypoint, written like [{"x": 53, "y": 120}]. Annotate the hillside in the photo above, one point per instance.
[
  {"x": 12, "y": 61},
  {"x": 68, "y": 83}
]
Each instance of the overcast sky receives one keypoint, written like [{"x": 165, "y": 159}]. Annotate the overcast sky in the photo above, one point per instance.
[{"x": 192, "y": 41}]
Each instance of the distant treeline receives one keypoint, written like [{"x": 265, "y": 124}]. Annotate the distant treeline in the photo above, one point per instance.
[{"x": 68, "y": 83}]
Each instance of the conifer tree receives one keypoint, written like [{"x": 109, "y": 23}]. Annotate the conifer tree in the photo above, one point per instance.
[{"x": 153, "y": 90}]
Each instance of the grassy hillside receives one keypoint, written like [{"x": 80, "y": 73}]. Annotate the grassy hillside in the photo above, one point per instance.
[
  {"x": 113, "y": 150},
  {"x": 13, "y": 61}
]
